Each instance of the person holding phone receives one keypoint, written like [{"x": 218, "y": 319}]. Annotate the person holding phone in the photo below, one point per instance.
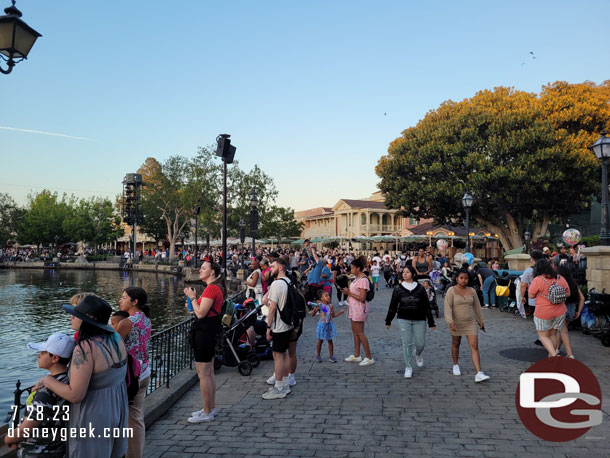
[
  {"x": 462, "y": 314},
  {"x": 204, "y": 332}
]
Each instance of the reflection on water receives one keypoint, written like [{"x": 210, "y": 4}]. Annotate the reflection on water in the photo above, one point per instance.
[{"x": 30, "y": 310}]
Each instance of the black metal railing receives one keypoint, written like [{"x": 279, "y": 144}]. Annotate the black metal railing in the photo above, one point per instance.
[{"x": 170, "y": 351}]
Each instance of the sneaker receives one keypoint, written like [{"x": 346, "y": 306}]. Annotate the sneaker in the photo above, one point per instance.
[
  {"x": 201, "y": 412},
  {"x": 537, "y": 342},
  {"x": 456, "y": 370},
  {"x": 271, "y": 380},
  {"x": 419, "y": 359},
  {"x": 367, "y": 362},
  {"x": 286, "y": 389},
  {"x": 571, "y": 356},
  {"x": 486, "y": 306},
  {"x": 291, "y": 380},
  {"x": 480, "y": 377},
  {"x": 318, "y": 359},
  {"x": 201, "y": 418},
  {"x": 408, "y": 372},
  {"x": 273, "y": 393},
  {"x": 353, "y": 359},
  {"x": 332, "y": 359}
]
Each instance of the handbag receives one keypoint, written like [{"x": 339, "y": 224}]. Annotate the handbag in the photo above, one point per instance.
[{"x": 503, "y": 291}]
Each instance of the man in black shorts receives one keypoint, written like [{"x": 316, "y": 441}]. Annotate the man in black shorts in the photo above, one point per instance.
[{"x": 279, "y": 331}]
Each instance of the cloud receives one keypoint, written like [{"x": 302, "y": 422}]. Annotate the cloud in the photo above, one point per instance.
[{"x": 40, "y": 132}]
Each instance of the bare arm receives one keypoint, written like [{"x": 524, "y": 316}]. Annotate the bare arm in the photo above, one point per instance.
[
  {"x": 124, "y": 328},
  {"x": 80, "y": 375},
  {"x": 253, "y": 280}
]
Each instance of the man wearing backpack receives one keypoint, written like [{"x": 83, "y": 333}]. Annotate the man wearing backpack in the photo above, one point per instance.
[{"x": 279, "y": 331}]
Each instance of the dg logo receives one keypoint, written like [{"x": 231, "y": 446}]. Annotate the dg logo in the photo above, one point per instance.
[{"x": 559, "y": 399}]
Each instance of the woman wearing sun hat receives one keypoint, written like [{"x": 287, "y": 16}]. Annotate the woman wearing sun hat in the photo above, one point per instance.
[{"x": 97, "y": 390}]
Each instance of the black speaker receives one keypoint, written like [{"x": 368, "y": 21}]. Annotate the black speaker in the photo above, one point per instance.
[
  {"x": 225, "y": 149},
  {"x": 196, "y": 210}
]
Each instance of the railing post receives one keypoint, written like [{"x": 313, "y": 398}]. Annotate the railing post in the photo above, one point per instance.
[
  {"x": 169, "y": 358},
  {"x": 17, "y": 403}
]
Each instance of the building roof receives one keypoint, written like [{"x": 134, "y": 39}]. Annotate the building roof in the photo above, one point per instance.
[
  {"x": 318, "y": 211},
  {"x": 365, "y": 204}
]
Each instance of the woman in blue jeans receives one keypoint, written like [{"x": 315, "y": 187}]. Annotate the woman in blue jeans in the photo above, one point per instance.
[{"x": 411, "y": 305}]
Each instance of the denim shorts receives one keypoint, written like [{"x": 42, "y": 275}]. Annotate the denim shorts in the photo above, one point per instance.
[{"x": 547, "y": 325}]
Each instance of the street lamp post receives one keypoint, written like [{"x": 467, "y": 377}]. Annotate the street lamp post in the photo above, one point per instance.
[
  {"x": 253, "y": 219},
  {"x": 467, "y": 203},
  {"x": 16, "y": 38},
  {"x": 601, "y": 148},
  {"x": 196, "y": 212}
]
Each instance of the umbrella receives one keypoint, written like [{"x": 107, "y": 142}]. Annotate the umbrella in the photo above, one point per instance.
[{"x": 297, "y": 242}]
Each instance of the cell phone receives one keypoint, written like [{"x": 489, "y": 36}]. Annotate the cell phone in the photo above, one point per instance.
[{"x": 189, "y": 303}]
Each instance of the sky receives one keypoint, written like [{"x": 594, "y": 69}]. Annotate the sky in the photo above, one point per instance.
[{"x": 311, "y": 91}]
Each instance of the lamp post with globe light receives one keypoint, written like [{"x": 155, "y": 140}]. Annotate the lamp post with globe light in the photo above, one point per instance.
[
  {"x": 601, "y": 148},
  {"x": 467, "y": 204}
]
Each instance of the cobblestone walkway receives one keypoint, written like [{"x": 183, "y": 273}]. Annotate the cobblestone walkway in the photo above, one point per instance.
[{"x": 341, "y": 409}]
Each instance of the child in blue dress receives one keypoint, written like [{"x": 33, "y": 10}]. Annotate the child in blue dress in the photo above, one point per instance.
[{"x": 326, "y": 329}]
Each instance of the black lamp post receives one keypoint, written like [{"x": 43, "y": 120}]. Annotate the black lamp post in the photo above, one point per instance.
[
  {"x": 601, "y": 148},
  {"x": 16, "y": 38},
  {"x": 467, "y": 203},
  {"x": 253, "y": 219},
  {"x": 196, "y": 211},
  {"x": 527, "y": 236}
]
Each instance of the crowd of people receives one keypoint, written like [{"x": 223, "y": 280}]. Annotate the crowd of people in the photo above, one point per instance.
[{"x": 101, "y": 374}]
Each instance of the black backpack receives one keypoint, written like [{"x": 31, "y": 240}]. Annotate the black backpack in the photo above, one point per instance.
[
  {"x": 370, "y": 294},
  {"x": 294, "y": 310}
]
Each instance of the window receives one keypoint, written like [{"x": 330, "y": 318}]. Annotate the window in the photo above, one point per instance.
[{"x": 363, "y": 219}]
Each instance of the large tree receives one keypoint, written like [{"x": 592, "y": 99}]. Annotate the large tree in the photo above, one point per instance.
[
  {"x": 279, "y": 222},
  {"x": 523, "y": 157},
  {"x": 44, "y": 217},
  {"x": 93, "y": 221},
  {"x": 10, "y": 216}
]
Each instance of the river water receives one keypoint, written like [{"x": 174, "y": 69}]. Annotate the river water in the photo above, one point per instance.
[{"x": 30, "y": 311}]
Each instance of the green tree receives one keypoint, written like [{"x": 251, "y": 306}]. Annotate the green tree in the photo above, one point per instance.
[
  {"x": 10, "y": 216},
  {"x": 93, "y": 221},
  {"x": 153, "y": 222},
  {"x": 44, "y": 217},
  {"x": 520, "y": 164},
  {"x": 279, "y": 222}
]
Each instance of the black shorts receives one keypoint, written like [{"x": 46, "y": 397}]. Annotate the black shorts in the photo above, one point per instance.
[
  {"x": 311, "y": 293},
  {"x": 203, "y": 338},
  {"x": 281, "y": 341}
]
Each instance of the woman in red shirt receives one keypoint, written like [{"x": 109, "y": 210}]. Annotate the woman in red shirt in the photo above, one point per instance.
[
  {"x": 204, "y": 333},
  {"x": 549, "y": 318}
]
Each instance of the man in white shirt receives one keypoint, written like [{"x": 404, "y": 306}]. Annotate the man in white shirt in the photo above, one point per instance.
[{"x": 280, "y": 331}]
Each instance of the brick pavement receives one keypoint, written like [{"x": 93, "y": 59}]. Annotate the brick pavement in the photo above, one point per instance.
[{"x": 343, "y": 410}]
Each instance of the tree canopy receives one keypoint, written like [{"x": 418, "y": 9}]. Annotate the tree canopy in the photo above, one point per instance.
[
  {"x": 522, "y": 156},
  {"x": 174, "y": 187}
]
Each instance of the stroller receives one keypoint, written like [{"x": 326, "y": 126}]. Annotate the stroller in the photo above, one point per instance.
[
  {"x": 508, "y": 303},
  {"x": 595, "y": 317},
  {"x": 231, "y": 349}
]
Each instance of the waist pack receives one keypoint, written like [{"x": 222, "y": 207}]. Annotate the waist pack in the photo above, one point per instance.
[
  {"x": 503, "y": 291},
  {"x": 557, "y": 294}
]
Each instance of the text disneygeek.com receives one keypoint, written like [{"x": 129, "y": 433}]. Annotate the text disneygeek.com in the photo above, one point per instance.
[{"x": 64, "y": 434}]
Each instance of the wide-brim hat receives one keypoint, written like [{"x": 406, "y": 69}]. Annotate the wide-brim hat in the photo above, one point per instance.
[{"x": 94, "y": 310}]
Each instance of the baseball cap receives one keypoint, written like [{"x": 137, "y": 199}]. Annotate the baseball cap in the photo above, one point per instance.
[{"x": 58, "y": 344}]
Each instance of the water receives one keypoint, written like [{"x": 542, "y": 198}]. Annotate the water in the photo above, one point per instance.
[{"x": 30, "y": 311}]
